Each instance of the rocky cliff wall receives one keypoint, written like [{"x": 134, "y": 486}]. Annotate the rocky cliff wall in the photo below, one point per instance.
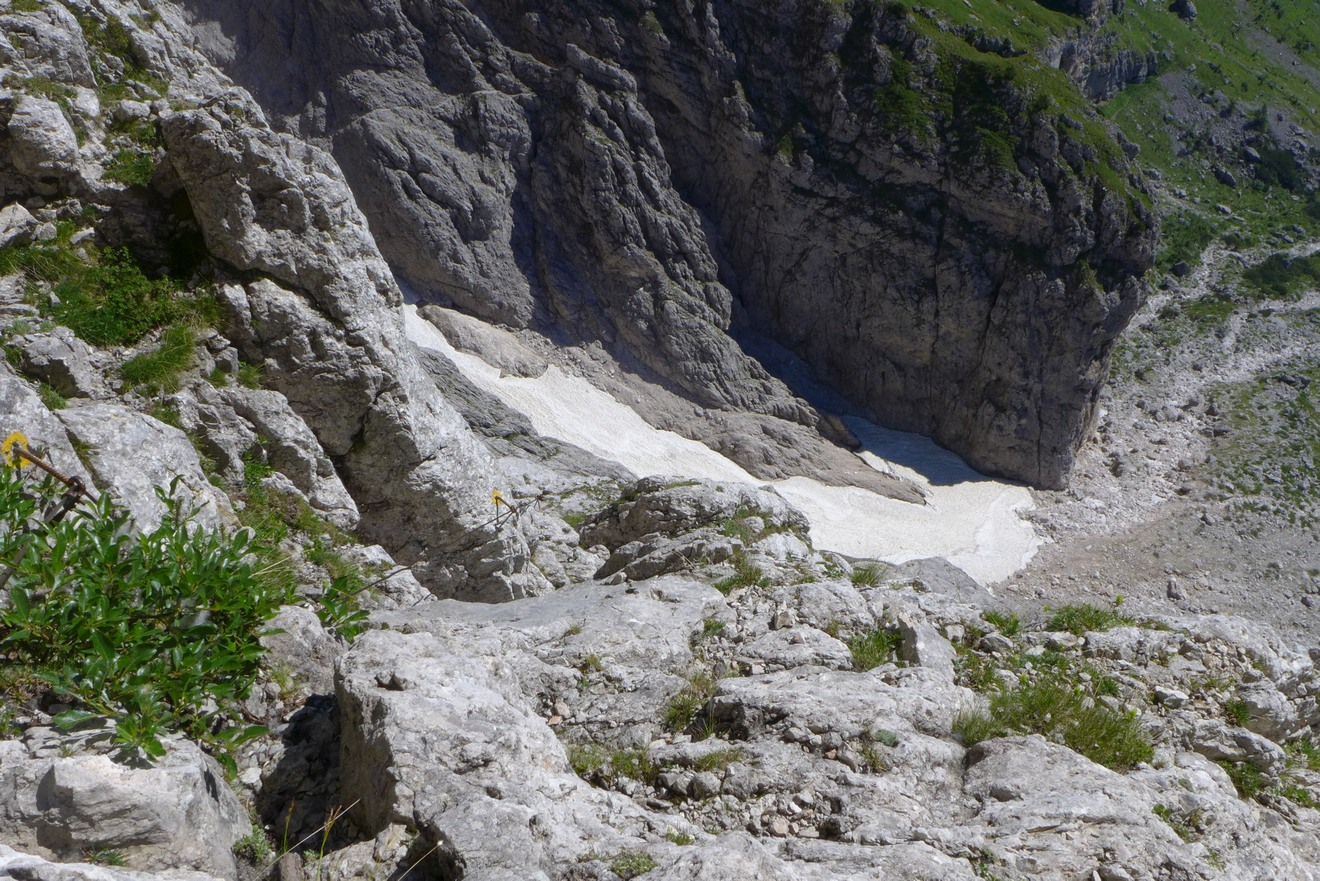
[{"x": 933, "y": 236}]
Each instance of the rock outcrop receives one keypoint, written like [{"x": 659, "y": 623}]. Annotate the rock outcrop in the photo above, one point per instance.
[{"x": 654, "y": 180}]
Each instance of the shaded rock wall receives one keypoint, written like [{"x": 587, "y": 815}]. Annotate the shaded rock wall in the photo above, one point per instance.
[{"x": 935, "y": 242}]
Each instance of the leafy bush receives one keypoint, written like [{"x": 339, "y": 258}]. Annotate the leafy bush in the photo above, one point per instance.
[
  {"x": 1064, "y": 713},
  {"x": 156, "y": 632}
]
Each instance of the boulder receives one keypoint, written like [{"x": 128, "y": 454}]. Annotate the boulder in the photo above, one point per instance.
[
  {"x": 444, "y": 741},
  {"x": 41, "y": 140},
  {"x": 62, "y": 361},
  {"x": 177, "y": 813},
  {"x": 16, "y": 225},
  {"x": 131, "y": 455}
]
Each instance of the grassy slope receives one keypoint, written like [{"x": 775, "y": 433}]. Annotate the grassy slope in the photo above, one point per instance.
[{"x": 1241, "y": 49}]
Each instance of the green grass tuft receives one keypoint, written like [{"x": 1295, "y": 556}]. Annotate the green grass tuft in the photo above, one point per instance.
[
  {"x": 1079, "y": 619},
  {"x": 1063, "y": 712},
  {"x": 870, "y": 650},
  {"x": 164, "y": 365}
]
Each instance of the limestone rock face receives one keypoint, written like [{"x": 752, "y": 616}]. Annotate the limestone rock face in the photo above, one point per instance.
[
  {"x": 328, "y": 320},
  {"x": 175, "y": 814},
  {"x": 130, "y": 455},
  {"x": 41, "y": 141},
  {"x": 653, "y": 179}
]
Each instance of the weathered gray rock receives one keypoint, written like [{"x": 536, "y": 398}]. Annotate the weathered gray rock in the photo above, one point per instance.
[
  {"x": 177, "y": 813},
  {"x": 62, "y": 361},
  {"x": 1219, "y": 742},
  {"x": 25, "y": 867},
  {"x": 292, "y": 449},
  {"x": 41, "y": 141},
  {"x": 299, "y": 646},
  {"x": 21, "y": 410},
  {"x": 16, "y": 225},
  {"x": 131, "y": 455},
  {"x": 1063, "y": 815},
  {"x": 421, "y": 480},
  {"x": 671, "y": 507},
  {"x": 1269, "y": 712},
  {"x": 445, "y": 743},
  {"x": 52, "y": 30}
]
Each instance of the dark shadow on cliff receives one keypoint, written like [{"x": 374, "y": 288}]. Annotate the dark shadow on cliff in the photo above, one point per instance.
[{"x": 936, "y": 465}]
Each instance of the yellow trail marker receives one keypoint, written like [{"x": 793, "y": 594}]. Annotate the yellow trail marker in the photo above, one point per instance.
[
  {"x": 7, "y": 449},
  {"x": 497, "y": 498}
]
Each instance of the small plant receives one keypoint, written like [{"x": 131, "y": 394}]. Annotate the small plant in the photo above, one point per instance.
[
  {"x": 632, "y": 863},
  {"x": 1187, "y": 828},
  {"x": 683, "y": 707},
  {"x": 586, "y": 758},
  {"x": 1238, "y": 711},
  {"x": 870, "y": 650},
  {"x": 1083, "y": 618},
  {"x": 867, "y": 575},
  {"x": 1297, "y": 794},
  {"x": 249, "y": 375},
  {"x": 132, "y": 167},
  {"x": 112, "y": 302},
  {"x": 1247, "y": 780},
  {"x": 167, "y": 414},
  {"x": 1060, "y": 710},
  {"x": 718, "y": 760},
  {"x": 682, "y": 839},
  {"x": 1006, "y": 623},
  {"x": 255, "y": 847},
  {"x": 710, "y": 629},
  {"x": 745, "y": 574},
  {"x": 163, "y": 366},
  {"x": 52, "y": 399},
  {"x": 869, "y": 748},
  {"x": 105, "y": 857},
  {"x": 1305, "y": 751}
]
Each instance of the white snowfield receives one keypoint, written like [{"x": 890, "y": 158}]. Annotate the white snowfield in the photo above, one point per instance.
[{"x": 972, "y": 520}]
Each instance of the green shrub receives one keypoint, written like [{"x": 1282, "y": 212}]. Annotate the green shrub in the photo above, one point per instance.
[
  {"x": 1247, "y": 780},
  {"x": 1084, "y": 618},
  {"x": 163, "y": 366},
  {"x": 1063, "y": 712},
  {"x": 1006, "y": 623},
  {"x": 156, "y": 631},
  {"x": 132, "y": 167},
  {"x": 870, "y": 650}
]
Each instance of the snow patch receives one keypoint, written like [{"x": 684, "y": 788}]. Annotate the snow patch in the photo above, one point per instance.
[{"x": 972, "y": 520}]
